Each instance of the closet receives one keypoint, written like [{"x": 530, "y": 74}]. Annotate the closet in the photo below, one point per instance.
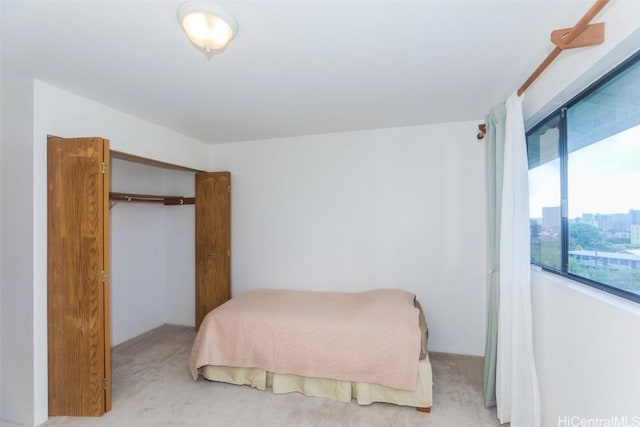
[{"x": 78, "y": 302}]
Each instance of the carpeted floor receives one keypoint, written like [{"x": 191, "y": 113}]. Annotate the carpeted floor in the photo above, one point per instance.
[{"x": 152, "y": 387}]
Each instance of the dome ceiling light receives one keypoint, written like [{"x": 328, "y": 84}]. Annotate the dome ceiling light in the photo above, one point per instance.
[{"x": 209, "y": 26}]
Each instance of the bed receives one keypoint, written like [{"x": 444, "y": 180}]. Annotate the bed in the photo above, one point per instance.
[{"x": 368, "y": 346}]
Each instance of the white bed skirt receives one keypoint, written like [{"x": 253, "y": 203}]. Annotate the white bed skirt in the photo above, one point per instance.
[{"x": 343, "y": 391}]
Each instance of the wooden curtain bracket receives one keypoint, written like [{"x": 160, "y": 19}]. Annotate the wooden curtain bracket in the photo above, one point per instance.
[
  {"x": 592, "y": 35},
  {"x": 567, "y": 37}
]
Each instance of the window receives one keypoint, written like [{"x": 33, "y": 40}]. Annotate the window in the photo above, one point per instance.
[{"x": 584, "y": 185}]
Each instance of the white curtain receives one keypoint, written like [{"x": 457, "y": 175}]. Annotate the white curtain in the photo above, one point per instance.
[{"x": 517, "y": 394}]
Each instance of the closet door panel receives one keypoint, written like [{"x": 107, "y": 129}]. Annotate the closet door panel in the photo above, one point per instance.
[
  {"x": 78, "y": 340},
  {"x": 106, "y": 267},
  {"x": 213, "y": 241}
]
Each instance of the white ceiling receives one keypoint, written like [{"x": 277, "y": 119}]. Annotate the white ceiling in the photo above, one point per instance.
[{"x": 296, "y": 67}]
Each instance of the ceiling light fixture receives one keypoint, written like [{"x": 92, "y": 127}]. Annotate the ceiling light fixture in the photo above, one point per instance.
[{"x": 209, "y": 26}]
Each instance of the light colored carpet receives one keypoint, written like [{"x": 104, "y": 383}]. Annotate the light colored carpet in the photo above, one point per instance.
[{"x": 152, "y": 387}]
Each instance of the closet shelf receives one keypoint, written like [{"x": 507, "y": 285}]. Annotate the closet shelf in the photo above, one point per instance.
[{"x": 151, "y": 198}]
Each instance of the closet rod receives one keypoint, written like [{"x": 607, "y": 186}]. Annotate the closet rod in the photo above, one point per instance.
[
  {"x": 150, "y": 198},
  {"x": 566, "y": 38}
]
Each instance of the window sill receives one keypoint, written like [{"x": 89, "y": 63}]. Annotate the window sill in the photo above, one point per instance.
[{"x": 538, "y": 274}]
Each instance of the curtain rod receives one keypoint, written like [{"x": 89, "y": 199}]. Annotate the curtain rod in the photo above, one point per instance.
[
  {"x": 580, "y": 35},
  {"x": 564, "y": 39}
]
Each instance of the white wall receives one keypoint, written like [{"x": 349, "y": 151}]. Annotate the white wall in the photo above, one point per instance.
[
  {"x": 587, "y": 345},
  {"x": 586, "y": 342},
  {"x": 152, "y": 252},
  {"x": 180, "y": 252},
  {"x": 397, "y": 208},
  {"x": 17, "y": 336},
  {"x": 38, "y": 109}
]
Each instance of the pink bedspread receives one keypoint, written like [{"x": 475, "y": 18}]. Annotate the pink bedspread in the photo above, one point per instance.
[{"x": 370, "y": 337}]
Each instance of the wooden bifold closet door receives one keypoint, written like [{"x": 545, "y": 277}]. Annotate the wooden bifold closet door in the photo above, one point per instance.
[
  {"x": 78, "y": 284},
  {"x": 78, "y": 281},
  {"x": 213, "y": 241}
]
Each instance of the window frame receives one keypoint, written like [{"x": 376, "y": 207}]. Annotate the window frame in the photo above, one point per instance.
[{"x": 561, "y": 114}]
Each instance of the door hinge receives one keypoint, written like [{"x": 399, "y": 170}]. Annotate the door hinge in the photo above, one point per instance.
[
  {"x": 104, "y": 276},
  {"x": 229, "y": 252},
  {"x": 105, "y": 383},
  {"x": 229, "y": 189},
  {"x": 103, "y": 168}
]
